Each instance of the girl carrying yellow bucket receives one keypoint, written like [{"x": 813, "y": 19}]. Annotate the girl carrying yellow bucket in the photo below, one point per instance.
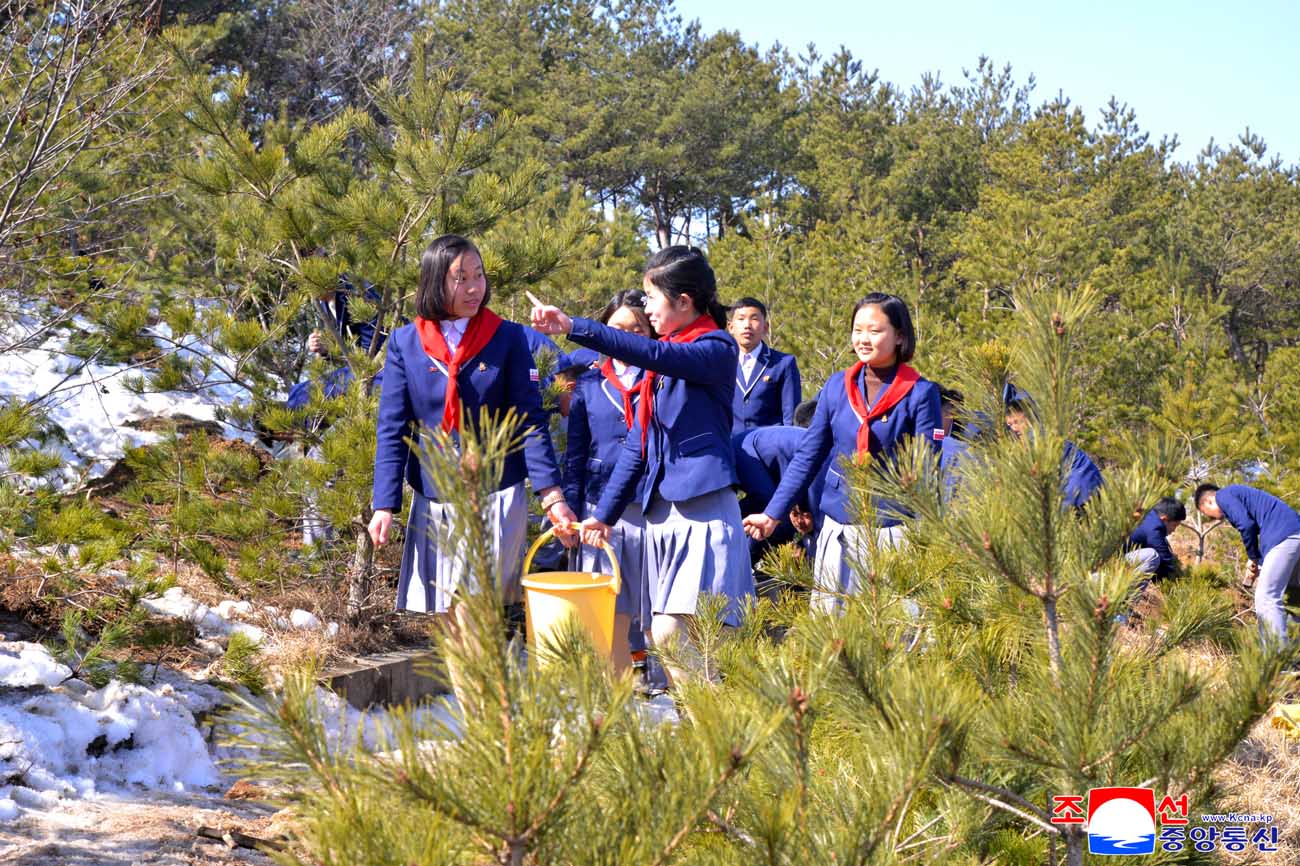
[{"x": 552, "y": 598}]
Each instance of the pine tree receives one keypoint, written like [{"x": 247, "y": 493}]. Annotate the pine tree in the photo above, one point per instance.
[
  {"x": 296, "y": 207},
  {"x": 1026, "y": 609}
]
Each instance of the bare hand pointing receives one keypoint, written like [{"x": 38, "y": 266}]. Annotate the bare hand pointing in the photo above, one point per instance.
[{"x": 547, "y": 319}]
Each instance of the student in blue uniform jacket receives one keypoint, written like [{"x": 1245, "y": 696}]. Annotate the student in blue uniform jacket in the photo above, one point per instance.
[
  {"x": 762, "y": 456},
  {"x": 455, "y": 359},
  {"x": 1270, "y": 531},
  {"x": 954, "y": 447},
  {"x": 872, "y": 407},
  {"x": 767, "y": 381},
  {"x": 362, "y": 335},
  {"x": 1083, "y": 477},
  {"x": 1148, "y": 545},
  {"x": 601, "y": 412},
  {"x": 678, "y": 452}
]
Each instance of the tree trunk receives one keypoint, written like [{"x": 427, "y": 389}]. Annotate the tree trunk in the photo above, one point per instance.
[
  {"x": 1052, "y": 622},
  {"x": 360, "y": 571},
  {"x": 1074, "y": 848},
  {"x": 663, "y": 226}
]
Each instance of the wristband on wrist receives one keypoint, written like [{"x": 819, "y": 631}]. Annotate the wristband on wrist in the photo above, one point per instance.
[{"x": 552, "y": 500}]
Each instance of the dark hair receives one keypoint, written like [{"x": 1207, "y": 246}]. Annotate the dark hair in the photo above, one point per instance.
[
  {"x": 431, "y": 292},
  {"x": 1201, "y": 491},
  {"x": 681, "y": 270},
  {"x": 803, "y": 413},
  {"x": 634, "y": 300},
  {"x": 750, "y": 302},
  {"x": 1015, "y": 400},
  {"x": 895, "y": 309},
  {"x": 951, "y": 398},
  {"x": 1170, "y": 508}
]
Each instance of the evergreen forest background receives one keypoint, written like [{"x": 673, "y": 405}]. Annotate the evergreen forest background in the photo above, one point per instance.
[{"x": 215, "y": 168}]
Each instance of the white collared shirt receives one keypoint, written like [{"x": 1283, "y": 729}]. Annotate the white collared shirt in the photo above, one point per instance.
[
  {"x": 747, "y": 362},
  {"x": 453, "y": 331},
  {"x": 626, "y": 375}
]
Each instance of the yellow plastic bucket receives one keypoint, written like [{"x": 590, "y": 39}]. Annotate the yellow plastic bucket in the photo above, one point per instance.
[{"x": 554, "y": 597}]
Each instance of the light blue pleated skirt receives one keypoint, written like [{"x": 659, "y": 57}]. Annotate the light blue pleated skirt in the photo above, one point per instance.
[
  {"x": 842, "y": 553},
  {"x": 698, "y": 546},
  {"x": 433, "y": 572},
  {"x": 627, "y": 538}
]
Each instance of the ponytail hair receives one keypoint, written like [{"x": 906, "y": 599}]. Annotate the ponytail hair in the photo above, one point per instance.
[{"x": 681, "y": 270}]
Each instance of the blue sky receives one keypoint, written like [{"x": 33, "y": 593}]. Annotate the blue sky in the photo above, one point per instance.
[{"x": 1197, "y": 69}]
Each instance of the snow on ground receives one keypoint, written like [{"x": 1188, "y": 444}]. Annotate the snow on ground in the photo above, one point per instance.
[
  {"x": 91, "y": 403},
  {"x": 62, "y": 740},
  {"x": 68, "y": 740},
  {"x": 218, "y": 623}
]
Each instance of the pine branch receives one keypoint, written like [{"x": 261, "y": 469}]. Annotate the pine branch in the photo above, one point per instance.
[
  {"x": 1002, "y": 798},
  {"x": 864, "y": 686},
  {"x": 898, "y": 807},
  {"x": 452, "y": 810},
  {"x": 738, "y": 759},
  {"x": 731, "y": 830},
  {"x": 594, "y": 736}
]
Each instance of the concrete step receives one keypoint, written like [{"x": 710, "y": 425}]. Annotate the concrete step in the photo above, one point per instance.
[{"x": 389, "y": 679}]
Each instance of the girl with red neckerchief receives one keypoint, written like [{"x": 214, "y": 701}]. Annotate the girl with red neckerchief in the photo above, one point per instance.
[
  {"x": 869, "y": 408},
  {"x": 601, "y": 412},
  {"x": 455, "y": 359},
  {"x": 678, "y": 452}
]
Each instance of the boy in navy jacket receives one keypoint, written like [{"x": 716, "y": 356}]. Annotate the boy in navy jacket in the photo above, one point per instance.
[
  {"x": 767, "y": 381},
  {"x": 1148, "y": 544},
  {"x": 762, "y": 455},
  {"x": 1083, "y": 476},
  {"x": 1270, "y": 531}
]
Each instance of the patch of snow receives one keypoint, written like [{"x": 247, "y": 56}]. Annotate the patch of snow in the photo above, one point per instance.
[
  {"x": 74, "y": 742},
  {"x": 229, "y": 609},
  {"x": 252, "y": 632},
  {"x": 304, "y": 620},
  {"x": 23, "y": 665},
  {"x": 343, "y": 723},
  {"x": 92, "y": 405}
]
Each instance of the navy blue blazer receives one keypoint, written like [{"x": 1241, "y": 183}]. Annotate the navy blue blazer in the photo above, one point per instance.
[
  {"x": 833, "y": 437},
  {"x": 581, "y": 356},
  {"x": 1153, "y": 533},
  {"x": 770, "y": 395},
  {"x": 1260, "y": 518},
  {"x": 688, "y": 446},
  {"x": 1083, "y": 477},
  {"x": 597, "y": 431},
  {"x": 762, "y": 457},
  {"x": 951, "y": 453},
  {"x": 500, "y": 377}
]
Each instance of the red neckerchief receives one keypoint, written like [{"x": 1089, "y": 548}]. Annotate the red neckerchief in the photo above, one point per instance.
[
  {"x": 701, "y": 326},
  {"x": 480, "y": 330},
  {"x": 904, "y": 379},
  {"x": 607, "y": 370}
]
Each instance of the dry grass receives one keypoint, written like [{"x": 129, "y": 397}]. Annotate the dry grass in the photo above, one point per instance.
[{"x": 1263, "y": 775}]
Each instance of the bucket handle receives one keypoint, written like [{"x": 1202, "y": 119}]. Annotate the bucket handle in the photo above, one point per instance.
[{"x": 546, "y": 536}]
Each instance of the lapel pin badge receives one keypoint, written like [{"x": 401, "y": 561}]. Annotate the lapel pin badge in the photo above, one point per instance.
[
  {"x": 767, "y": 378},
  {"x": 482, "y": 366}
]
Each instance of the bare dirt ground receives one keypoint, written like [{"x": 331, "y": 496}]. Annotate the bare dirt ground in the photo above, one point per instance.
[{"x": 148, "y": 830}]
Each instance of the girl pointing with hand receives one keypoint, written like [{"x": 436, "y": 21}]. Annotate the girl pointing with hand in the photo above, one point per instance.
[{"x": 678, "y": 450}]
